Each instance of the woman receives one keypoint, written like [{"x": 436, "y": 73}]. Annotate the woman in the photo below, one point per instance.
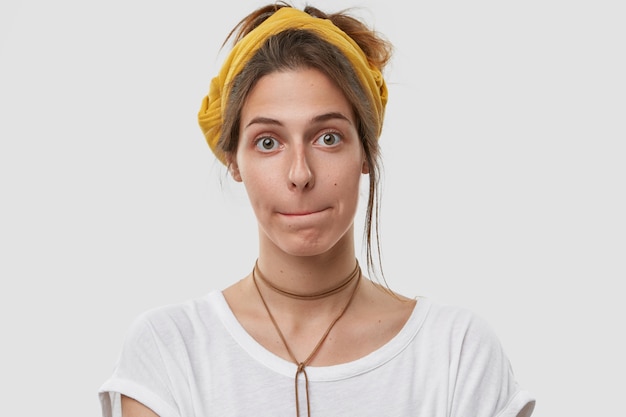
[{"x": 295, "y": 115}]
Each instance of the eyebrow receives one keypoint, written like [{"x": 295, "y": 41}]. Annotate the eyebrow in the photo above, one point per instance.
[
  {"x": 330, "y": 116},
  {"x": 264, "y": 121},
  {"x": 320, "y": 118}
]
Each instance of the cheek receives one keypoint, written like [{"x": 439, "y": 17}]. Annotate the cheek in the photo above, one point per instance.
[
  {"x": 258, "y": 184},
  {"x": 347, "y": 185}
]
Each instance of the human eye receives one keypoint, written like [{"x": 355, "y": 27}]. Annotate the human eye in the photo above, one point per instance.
[
  {"x": 266, "y": 144},
  {"x": 329, "y": 139}
]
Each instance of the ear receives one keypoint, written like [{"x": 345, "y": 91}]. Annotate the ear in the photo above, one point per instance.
[
  {"x": 233, "y": 169},
  {"x": 366, "y": 168}
]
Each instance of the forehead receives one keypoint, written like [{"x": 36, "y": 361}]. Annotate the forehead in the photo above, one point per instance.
[{"x": 302, "y": 91}]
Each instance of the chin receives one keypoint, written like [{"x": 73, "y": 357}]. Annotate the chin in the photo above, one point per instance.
[
  {"x": 305, "y": 250},
  {"x": 308, "y": 246}
]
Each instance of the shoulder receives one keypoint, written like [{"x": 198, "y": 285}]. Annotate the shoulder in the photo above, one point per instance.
[
  {"x": 459, "y": 333},
  {"x": 455, "y": 321},
  {"x": 478, "y": 369},
  {"x": 174, "y": 321}
]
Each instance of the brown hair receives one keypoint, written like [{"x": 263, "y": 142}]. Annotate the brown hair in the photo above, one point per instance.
[{"x": 296, "y": 48}]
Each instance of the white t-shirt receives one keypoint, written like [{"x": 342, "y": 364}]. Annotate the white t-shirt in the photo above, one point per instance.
[{"x": 195, "y": 360}]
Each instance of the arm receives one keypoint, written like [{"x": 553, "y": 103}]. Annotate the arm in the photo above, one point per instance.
[
  {"x": 133, "y": 408},
  {"x": 527, "y": 410}
]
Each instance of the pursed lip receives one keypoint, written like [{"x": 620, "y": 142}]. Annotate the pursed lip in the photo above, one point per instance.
[{"x": 300, "y": 213}]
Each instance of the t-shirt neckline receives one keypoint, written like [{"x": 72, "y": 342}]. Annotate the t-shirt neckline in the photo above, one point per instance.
[{"x": 380, "y": 356}]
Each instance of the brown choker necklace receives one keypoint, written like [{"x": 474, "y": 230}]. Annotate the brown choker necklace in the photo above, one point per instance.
[
  {"x": 314, "y": 296},
  {"x": 302, "y": 365}
]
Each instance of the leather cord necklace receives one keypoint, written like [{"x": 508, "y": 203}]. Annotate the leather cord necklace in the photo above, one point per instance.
[
  {"x": 356, "y": 274},
  {"x": 313, "y": 296}
]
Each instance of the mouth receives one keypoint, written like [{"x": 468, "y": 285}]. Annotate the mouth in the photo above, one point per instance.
[{"x": 302, "y": 213}]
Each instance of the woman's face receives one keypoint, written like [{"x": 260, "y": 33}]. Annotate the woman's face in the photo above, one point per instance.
[{"x": 301, "y": 160}]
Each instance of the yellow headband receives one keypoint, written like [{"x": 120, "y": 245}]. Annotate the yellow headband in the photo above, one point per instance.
[{"x": 211, "y": 112}]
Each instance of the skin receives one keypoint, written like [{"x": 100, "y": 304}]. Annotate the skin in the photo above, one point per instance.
[
  {"x": 301, "y": 162},
  {"x": 133, "y": 408}
]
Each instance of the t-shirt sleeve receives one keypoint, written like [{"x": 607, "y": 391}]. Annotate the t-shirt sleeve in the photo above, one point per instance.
[
  {"x": 142, "y": 372},
  {"x": 485, "y": 385}
]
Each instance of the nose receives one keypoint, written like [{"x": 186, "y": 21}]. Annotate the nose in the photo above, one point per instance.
[{"x": 300, "y": 172}]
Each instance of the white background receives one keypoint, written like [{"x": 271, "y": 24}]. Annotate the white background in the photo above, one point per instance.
[{"x": 504, "y": 183}]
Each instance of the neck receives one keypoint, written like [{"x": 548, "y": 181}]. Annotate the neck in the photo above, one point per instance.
[
  {"x": 305, "y": 275},
  {"x": 337, "y": 288},
  {"x": 300, "y": 312},
  {"x": 302, "y": 273}
]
